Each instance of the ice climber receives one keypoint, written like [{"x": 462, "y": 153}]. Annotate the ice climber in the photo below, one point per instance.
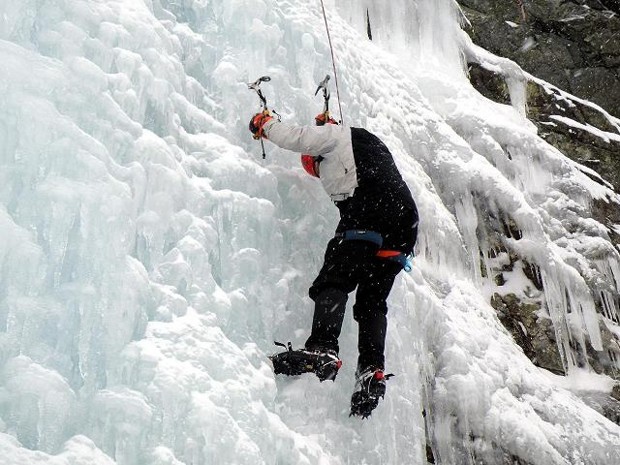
[{"x": 376, "y": 233}]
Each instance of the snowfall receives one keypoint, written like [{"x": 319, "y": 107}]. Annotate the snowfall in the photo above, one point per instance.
[{"x": 150, "y": 256}]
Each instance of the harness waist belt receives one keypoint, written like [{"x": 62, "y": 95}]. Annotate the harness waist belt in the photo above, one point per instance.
[
  {"x": 376, "y": 238},
  {"x": 361, "y": 235}
]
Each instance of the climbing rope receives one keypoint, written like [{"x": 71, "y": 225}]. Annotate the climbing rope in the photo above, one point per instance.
[{"x": 331, "y": 48}]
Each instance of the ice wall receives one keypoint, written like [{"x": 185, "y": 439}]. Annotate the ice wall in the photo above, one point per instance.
[
  {"x": 149, "y": 256},
  {"x": 427, "y": 33}
]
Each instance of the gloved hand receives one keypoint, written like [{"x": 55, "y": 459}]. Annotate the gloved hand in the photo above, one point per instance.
[
  {"x": 322, "y": 118},
  {"x": 257, "y": 122}
]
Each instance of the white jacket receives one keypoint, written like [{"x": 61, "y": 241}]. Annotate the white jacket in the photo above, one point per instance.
[{"x": 332, "y": 142}]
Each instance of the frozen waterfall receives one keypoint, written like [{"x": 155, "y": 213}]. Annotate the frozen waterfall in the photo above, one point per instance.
[{"x": 149, "y": 256}]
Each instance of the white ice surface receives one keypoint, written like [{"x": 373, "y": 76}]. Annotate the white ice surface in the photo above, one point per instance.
[{"x": 149, "y": 256}]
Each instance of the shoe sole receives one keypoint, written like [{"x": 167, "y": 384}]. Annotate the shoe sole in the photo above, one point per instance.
[{"x": 293, "y": 363}]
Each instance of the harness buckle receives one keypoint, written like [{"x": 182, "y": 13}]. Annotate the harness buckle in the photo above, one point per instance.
[{"x": 396, "y": 256}]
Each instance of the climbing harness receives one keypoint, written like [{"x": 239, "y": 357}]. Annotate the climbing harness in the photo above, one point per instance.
[
  {"x": 255, "y": 86},
  {"x": 331, "y": 48},
  {"x": 375, "y": 238},
  {"x": 361, "y": 235}
]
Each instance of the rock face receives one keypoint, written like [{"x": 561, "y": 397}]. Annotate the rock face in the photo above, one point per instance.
[{"x": 575, "y": 46}]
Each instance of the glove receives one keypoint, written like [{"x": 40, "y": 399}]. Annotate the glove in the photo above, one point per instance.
[
  {"x": 322, "y": 118},
  {"x": 257, "y": 122}
]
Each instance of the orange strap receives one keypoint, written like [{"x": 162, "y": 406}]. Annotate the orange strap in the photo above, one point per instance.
[
  {"x": 384, "y": 253},
  {"x": 394, "y": 255}
]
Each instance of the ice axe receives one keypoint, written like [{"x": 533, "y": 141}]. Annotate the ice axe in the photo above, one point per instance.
[
  {"x": 255, "y": 86},
  {"x": 324, "y": 85}
]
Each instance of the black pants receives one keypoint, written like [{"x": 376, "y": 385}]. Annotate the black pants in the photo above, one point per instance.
[{"x": 348, "y": 265}]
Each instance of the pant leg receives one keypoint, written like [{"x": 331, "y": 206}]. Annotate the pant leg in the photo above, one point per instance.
[
  {"x": 370, "y": 312},
  {"x": 398, "y": 226},
  {"x": 340, "y": 274},
  {"x": 329, "y": 310}
]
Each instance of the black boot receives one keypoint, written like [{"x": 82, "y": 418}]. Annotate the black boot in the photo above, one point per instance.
[
  {"x": 369, "y": 388},
  {"x": 324, "y": 364}
]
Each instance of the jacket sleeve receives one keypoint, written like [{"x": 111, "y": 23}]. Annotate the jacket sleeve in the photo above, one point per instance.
[{"x": 317, "y": 140}]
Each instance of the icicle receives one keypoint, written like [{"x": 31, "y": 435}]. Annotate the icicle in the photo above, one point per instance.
[
  {"x": 467, "y": 218},
  {"x": 588, "y": 317},
  {"x": 556, "y": 306},
  {"x": 610, "y": 270},
  {"x": 572, "y": 310},
  {"x": 517, "y": 87},
  {"x": 610, "y": 307}
]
